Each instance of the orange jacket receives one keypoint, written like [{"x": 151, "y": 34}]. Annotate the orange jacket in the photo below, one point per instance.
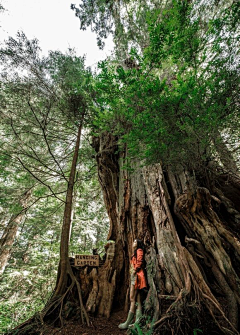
[{"x": 137, "y": 263}]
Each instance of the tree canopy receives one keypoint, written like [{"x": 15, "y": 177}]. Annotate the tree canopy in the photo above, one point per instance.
[
  {"x": 41, "y": 103},
  {"x": 156, "y": 127},
  {"x": 177, "y": 94}
]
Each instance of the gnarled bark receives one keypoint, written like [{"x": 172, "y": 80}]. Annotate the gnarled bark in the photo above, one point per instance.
[
  {"x": 103, "y": 285},
  {"x": 191, "y": 253}
]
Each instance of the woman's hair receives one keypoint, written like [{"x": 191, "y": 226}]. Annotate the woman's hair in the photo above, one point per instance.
[{"x": 140, "y": 245}]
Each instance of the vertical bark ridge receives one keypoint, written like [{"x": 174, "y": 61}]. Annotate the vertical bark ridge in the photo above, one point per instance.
[{"x": 145, "y": 210}]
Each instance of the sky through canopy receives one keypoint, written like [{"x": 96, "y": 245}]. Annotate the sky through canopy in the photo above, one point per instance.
[{"x": 54, "y": 24}]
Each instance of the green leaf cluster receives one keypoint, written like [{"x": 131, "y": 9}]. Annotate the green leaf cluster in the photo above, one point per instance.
[
  {"x": 173, "y": 98},
  {"x": 41, "y": 105}
]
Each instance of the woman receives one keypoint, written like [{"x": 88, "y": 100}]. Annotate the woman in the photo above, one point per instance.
[{"x": 138, "y": 282}]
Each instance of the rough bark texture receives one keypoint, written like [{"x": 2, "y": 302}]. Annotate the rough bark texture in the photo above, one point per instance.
[
  {"x": 10, "y": 232},
  {"x": 190, "y": 229},
  {"x": 191, "y": 238},
  {"x": 103, "y": 285}
]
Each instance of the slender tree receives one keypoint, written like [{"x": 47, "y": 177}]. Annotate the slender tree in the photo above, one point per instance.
[{"x": 50, "y": 103}]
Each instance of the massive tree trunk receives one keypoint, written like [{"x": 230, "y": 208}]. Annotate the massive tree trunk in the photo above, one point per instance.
[
  {"x": 190, "y": 228},
  {"x": 191, "y": 237},
  {"x": 10, "y": 232}
]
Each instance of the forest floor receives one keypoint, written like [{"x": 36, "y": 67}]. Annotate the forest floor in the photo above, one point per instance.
[{"x": 100, "y": 325}]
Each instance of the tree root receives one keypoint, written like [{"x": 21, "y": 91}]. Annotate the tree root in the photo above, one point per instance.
[
  {"x": 179, "y": 317},
  {"x": 59, "y": 301},
  {"x": 183, "y": 307}
]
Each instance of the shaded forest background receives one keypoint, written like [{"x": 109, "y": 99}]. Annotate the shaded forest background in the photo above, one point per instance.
[{"x": 163, "y": 108}]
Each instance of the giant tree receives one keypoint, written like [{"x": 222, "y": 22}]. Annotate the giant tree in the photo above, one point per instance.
[{"x": 167, "y": 121}]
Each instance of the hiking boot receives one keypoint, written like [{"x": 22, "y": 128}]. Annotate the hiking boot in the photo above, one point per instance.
[
  {"x": 138, "y": 315},
  {"x": 127, "y": 322}
]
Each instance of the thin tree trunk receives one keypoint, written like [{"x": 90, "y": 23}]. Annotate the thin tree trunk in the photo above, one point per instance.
[
  {"x": 10, "y": 232},
  {"x": 64, "y": 246},
  {"x": 66, "y": 280}
]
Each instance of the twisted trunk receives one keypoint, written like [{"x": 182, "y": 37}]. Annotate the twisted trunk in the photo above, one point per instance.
[{"x": 192, "y": 252}]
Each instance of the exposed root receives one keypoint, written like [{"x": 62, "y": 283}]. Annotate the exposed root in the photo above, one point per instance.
[
  {"x": 188, "y": 304},
  {"x": 83, "y": 310},
  {"x": 60, "y": 301},
  {"x": 183, "y": 316}
]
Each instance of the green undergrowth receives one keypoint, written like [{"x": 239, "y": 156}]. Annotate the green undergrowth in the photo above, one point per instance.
[{"x": 22, "y": 294}]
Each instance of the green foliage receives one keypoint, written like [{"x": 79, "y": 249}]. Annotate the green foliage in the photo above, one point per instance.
[
  {"x": 195, "y": 331},
  {"x": 30, "y": 276},
  {"x": 41, "y": 106},
  {"x": 173, "y": 98},
  {"x": 125, "y": 20},
  {"x": 90, "y": 223},
  {"x": 25, "y": 291},
  {"x": 43, "y": 100},
  {"x": 147, "y": 329},
  {"x": 173, "y": 93}
]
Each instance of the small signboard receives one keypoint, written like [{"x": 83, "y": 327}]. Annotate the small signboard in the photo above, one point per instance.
[{"x": 89, "y": 260}]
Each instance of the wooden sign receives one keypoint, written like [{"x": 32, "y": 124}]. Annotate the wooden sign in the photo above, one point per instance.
[{"x": 89, "y": 260}]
